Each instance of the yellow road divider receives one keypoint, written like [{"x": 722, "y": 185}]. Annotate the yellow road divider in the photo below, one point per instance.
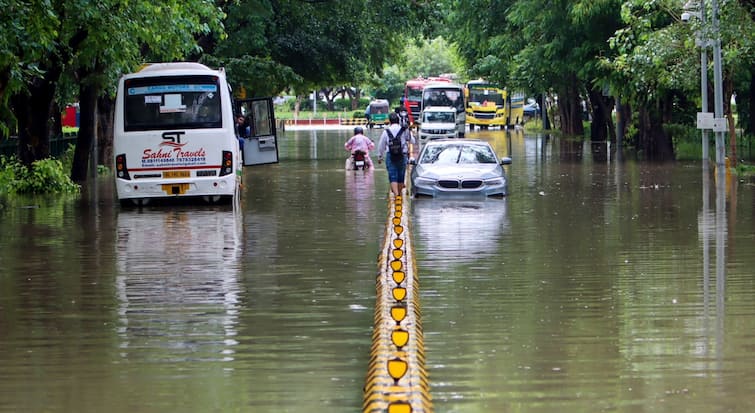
[
  {"x": 354, "y": 122},
  {"x": 396, "y": 376}
]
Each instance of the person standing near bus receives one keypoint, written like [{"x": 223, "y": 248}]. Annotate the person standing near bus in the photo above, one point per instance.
[{"x": 396, "y": 164}]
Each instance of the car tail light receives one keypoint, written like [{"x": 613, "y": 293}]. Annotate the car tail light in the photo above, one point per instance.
[
  {"x": 120, "y": 167},
  {"x": 226, "y": 168}
]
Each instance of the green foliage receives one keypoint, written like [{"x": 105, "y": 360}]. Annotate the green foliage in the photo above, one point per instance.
[
  {"x": 686, "y": 140},
  {"x": 746, "y": 170},
  {"x": 304, "y": 45},
  {"x": 44, "y": 176},
  {"x": 430, "y": 58},
  {"x": 66, "y": 158},
  {"x": 389, "y": 86}
]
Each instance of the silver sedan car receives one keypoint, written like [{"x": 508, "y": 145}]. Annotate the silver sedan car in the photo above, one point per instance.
[{"x": 448, "y": 167}]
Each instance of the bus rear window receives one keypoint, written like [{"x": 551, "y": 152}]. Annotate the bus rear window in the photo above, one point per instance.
[{"x": 172, "y": 102}]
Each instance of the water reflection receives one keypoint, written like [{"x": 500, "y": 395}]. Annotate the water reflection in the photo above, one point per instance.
[
  {"x": 177, "y": 283},
  {"x": 312, "y": 145},
  {"x": 500, "y": 140},
  {"x": 587, "y": 298},
  {"x": 359, "y": 187},
  {"x": 721, "y": 237},
  {"x": 454, "y": 231}
]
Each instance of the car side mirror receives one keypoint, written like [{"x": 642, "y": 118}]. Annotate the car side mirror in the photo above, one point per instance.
[
  {"x": 412, "y": 161},
  {"x": 506, "y": 160}
]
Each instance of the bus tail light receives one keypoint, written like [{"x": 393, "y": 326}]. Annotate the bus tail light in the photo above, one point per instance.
[
  {"x": 226, "y": 168},
  {"x": 120, "y": 167}
]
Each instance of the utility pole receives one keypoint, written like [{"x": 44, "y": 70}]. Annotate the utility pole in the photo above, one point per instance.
[
  {"x": 709, "y": 35},
  {"x": 719, "y": 123},
  {"x": 703, "y": 43}
]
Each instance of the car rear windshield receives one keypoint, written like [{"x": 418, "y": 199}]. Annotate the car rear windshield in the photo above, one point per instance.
[{"x": 172, "y": 102}]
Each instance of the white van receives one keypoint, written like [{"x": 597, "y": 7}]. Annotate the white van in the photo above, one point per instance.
[
  {"x": 438, "y": 122},
  {"x": 447, "y": 94},
  {"x": 175, "y": 135}
]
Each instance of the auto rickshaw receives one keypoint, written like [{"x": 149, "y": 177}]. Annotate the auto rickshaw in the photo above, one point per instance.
[{"x": 377, "y": 113}]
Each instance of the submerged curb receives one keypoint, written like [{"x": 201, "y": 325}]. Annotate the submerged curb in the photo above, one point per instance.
[{"x": 396, "y": 377}]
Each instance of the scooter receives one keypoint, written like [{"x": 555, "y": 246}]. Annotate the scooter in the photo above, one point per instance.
[{"x": 358, "y": 160}]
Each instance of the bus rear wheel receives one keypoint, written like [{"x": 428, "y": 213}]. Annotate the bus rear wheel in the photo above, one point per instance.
[{"x": 134, "y": 202}]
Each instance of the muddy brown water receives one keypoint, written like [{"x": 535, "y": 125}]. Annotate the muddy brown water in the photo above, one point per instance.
[{"x": 599, "y": 284}]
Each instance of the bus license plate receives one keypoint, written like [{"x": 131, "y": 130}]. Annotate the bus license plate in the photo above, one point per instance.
[
  {"x": 175, "y": 189},
  {"x": 176, "y": 174}
]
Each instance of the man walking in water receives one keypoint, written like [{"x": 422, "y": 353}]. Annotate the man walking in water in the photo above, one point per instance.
[{"x": 394, "y": 148}]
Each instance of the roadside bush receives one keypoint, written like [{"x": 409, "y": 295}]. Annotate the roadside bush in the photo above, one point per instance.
[
  {"x": 66, "y": 158},
  {"x": 746, "y": 170},
  {"x": 44, "y": 176},
  {"x": 686, "y": 141}
]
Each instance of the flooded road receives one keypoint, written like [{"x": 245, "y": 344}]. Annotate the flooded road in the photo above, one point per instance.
[{"x": 599, "y": 284}]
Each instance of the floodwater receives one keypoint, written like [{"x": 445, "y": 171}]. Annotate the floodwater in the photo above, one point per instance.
[{"x": 599, "y": 284}]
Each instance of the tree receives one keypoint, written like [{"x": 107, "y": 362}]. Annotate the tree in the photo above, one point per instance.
[
  {"x": 308, "y": 45},
  {"x": 535, "y": 46},
  {"x": 657, "y": 66},
  {"x": 90, "y": 44},
  {"x": 17, "y": 47},
  {"x": 430, "y": 58}
]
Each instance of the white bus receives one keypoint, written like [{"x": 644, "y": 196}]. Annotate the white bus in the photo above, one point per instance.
[
  {"x": 447, "y": 94},
  {"x": 175, "y": 135}
]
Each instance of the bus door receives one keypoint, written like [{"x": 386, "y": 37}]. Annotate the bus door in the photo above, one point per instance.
[{"x": 260, "y": 138}]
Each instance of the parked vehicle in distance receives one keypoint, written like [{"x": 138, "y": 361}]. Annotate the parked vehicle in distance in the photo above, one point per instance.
[
  {"x": 531, "y": 109},
  {"x": 438, "y": 122},
  {"x": 486, "y": 104},
  {"x": 447, "y": 94},
  {"x": 458, "y": 167},
  {"x": 378, "y": 113},
  {"x": 412, "y": 97}
]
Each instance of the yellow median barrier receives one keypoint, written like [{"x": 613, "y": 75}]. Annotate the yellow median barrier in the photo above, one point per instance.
[{"x": 396, "y": 378}]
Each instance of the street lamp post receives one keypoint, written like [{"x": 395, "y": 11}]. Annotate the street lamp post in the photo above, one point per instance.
[
  {"x": 704, "y": 76},
  {"x": 719, "y": 125},
  {"x": 707, "y": 37}
]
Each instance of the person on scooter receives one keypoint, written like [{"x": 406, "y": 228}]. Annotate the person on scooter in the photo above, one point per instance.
[{"x": 360, "y": 142}]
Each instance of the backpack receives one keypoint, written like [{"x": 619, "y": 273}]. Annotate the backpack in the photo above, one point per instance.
[{"x": 395, "y": 147}]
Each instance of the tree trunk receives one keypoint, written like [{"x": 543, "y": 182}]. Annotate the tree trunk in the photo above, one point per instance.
[
  {"x": 105, "y": 112},
  {"x": 624, "y": 116},
  {"x": 33, "y": 114},
  {"x": 544, "y": 112},
  {"x": 653, "y": 140},
  {"x": 570, "y": 110},
  {"x": 33, "y": 108},
  {"x": 355, "y": 98},
  {"x": 87, "y": 131},
  {"x": 330, "y": 97},
  {"x": 6, "y": 117},
  {"x": 749, "y": 126},
  {"x": 602, "y": 124}
]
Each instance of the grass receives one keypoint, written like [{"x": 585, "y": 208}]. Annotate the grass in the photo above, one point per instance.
[{"x": 320, "y": 114}]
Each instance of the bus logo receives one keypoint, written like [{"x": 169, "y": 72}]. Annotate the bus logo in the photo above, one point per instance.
[{"x": 174, "y": 137}]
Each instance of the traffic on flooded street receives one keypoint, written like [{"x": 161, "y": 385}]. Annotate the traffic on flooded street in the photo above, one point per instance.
[{"x": 598, "y": 283}]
